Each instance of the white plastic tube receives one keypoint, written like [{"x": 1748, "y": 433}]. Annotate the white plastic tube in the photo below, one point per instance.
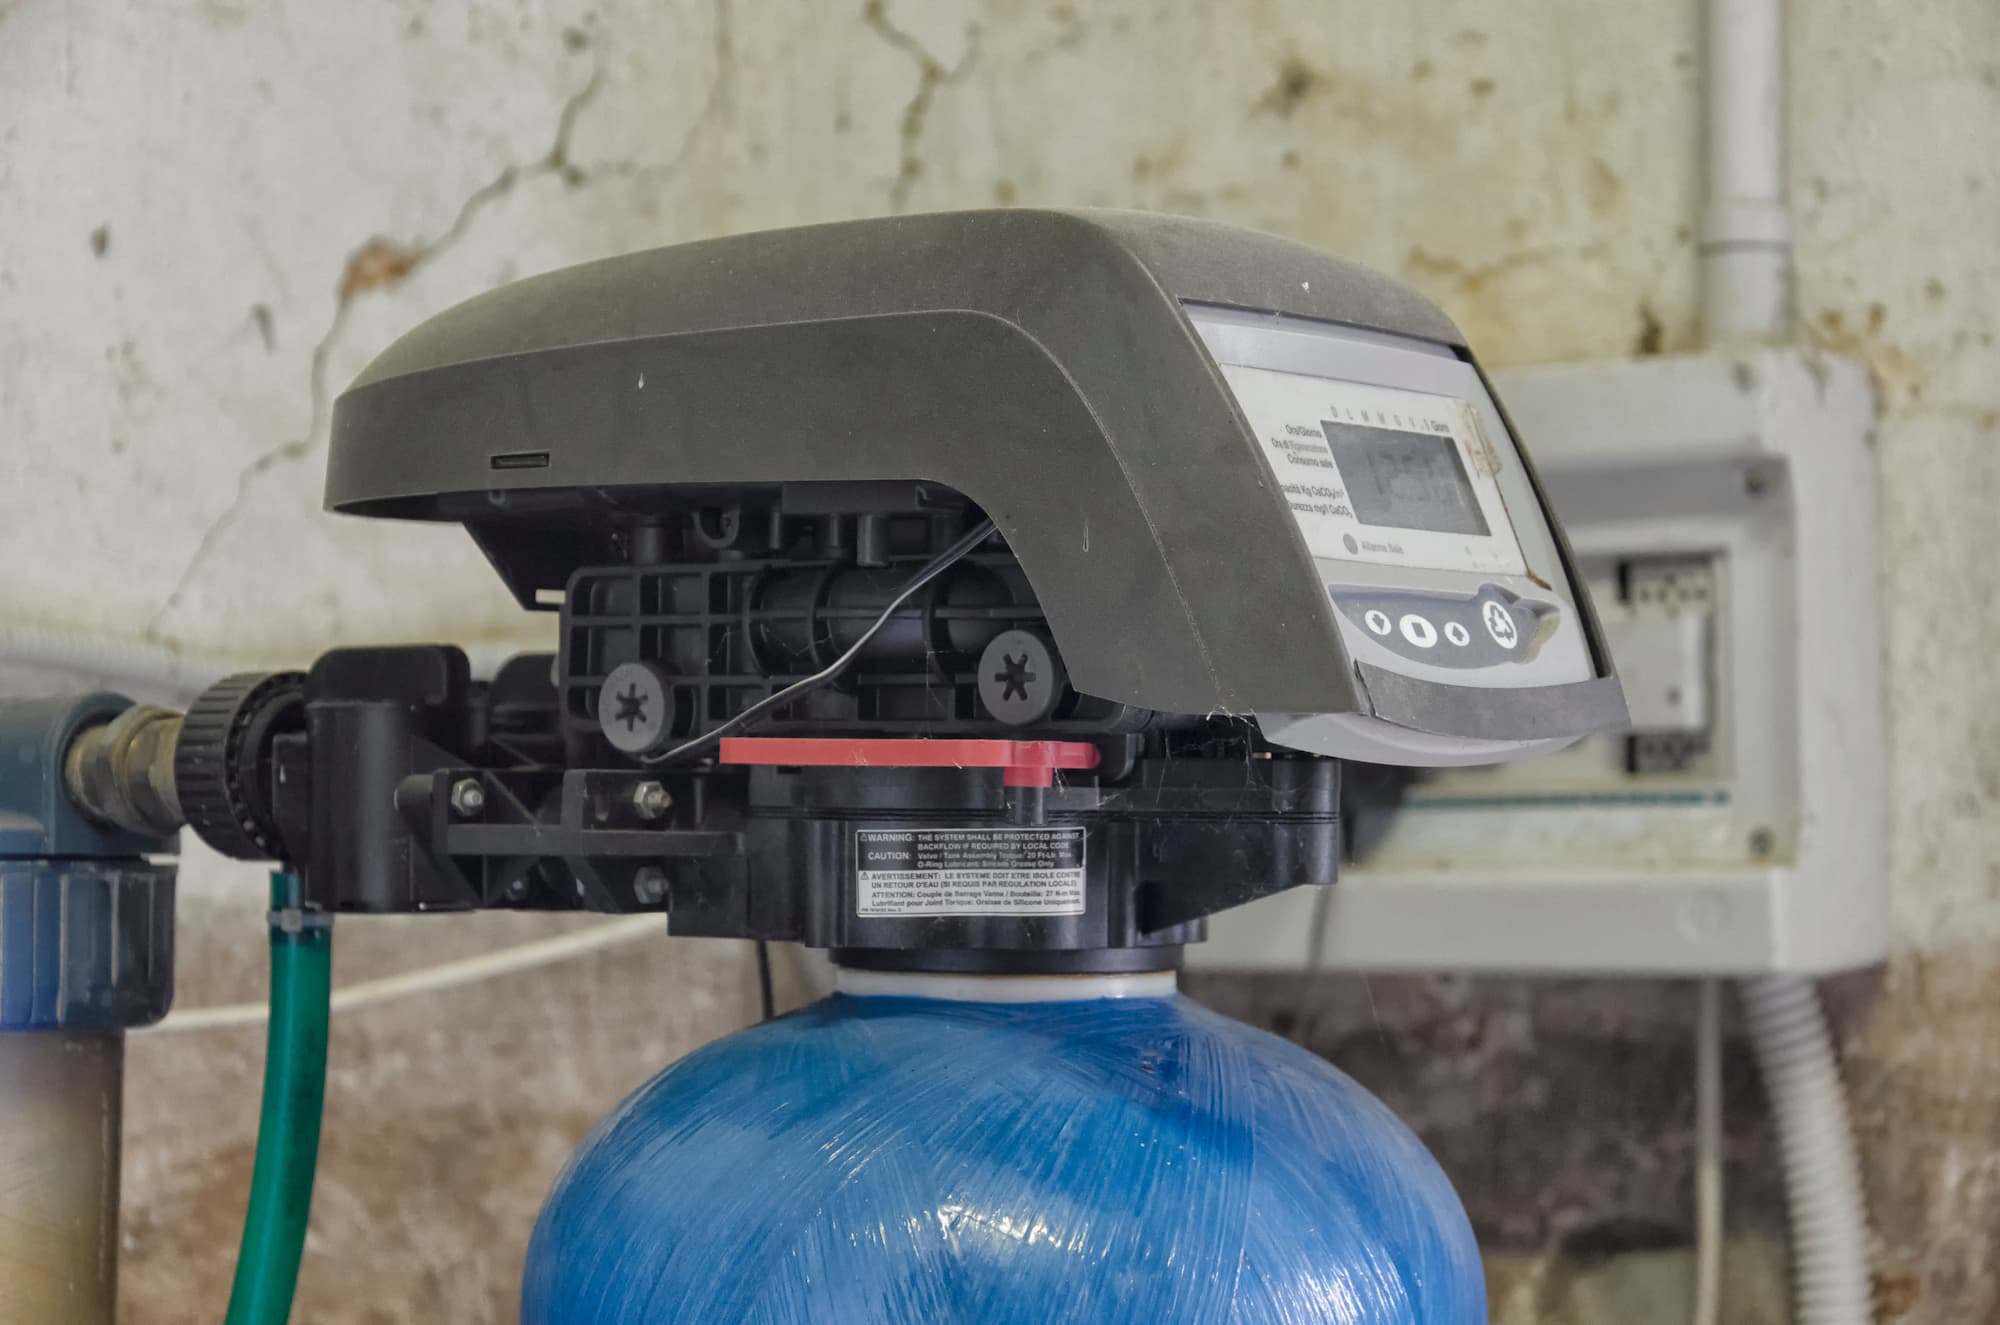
[
  {"x": 156, "y": 674},
  {"x": 146, "y": 671},
  {"x": 1746, "y": 295},
  {"x": 1822, "y": 1176},
  {"x": 1746, "y": 236},
  {"x": 433, "y": 979}
]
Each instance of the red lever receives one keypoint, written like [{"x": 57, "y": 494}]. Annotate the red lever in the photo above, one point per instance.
[{"x": 1025, "y": 763}]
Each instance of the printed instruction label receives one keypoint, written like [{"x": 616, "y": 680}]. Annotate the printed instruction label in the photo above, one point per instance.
[{"x": 968, "y": 872}]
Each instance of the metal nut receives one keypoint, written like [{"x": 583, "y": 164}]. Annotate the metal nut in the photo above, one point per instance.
[
  {"x": 649, "y": 885},
  {"x": 467, "y": 797},
  {"x": 651, "y": 800}
]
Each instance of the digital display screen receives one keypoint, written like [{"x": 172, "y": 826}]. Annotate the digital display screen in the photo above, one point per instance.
[{"x": 1405, "y": 480}]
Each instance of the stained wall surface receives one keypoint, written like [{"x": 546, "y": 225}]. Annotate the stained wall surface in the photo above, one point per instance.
[{"x": 213, "y": 212}]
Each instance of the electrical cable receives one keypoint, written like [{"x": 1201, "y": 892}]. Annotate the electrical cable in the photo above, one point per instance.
[
  {"x": 766, "y": 1002},
  {"x": 933, "y": 568},
  {"x": 1708, "y": 1203},
  {"x": 1306, "y": 1015},
  {"x": 432, "y": 979}
]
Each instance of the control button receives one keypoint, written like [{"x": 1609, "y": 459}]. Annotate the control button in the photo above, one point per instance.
[
  {"x": 1457, "y": 634},
  {"x": 1376, "y": 620},
  {"x": 1500, "y": 623},
  {"x": 1418, "y": 631}
]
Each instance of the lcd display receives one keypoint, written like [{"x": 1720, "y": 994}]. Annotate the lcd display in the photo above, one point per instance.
[{"x": 1404, "y": 480}]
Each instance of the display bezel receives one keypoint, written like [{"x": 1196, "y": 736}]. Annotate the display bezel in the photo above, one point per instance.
[{"x": 1282, "y": 403}]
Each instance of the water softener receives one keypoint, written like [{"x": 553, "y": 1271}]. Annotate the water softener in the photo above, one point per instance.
[{"x": 987, "y": 598}]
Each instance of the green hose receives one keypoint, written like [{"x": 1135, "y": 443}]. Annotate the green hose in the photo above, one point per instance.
[{"x": 274, "y": 1226}]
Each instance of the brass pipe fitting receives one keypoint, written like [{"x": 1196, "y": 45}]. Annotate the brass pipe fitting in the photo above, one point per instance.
[{"x": 121, "y": 773}]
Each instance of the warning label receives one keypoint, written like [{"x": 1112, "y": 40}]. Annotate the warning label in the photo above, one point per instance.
[{"x": 968, "y": 872}]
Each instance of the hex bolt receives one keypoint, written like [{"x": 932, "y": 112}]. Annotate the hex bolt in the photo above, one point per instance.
[
  {"x": 467, "y": 797},
  {"x": 651, "y": 800},
  {"x": 649, "y": 885}
]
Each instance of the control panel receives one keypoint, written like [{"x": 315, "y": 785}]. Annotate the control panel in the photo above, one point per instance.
[{"x": 1424, "y": 525}]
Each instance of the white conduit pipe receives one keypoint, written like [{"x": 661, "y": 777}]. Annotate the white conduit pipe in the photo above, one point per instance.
[
  {"x": 1822, "y": 1175},
  {"x": 156, "y": 674},
  {"x": 1746, "y": 295},
  {"x": 1746, "y": 233},
  {"x": 146, "y": 671}
]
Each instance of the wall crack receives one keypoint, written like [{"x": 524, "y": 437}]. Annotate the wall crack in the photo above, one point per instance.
[
  {"x": 378, "y": 264},
  {"x": 932, "y": 74},
  {"x": 713, "y": 104}
]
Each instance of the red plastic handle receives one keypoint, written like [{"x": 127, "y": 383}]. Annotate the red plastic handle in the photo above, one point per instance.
[{"x": 1024, "y": 763}]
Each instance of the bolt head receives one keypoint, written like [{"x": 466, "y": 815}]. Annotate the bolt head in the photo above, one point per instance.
[
  {"x": 651, "y": 800},
  {"x": 649, "y": 885},
  {"x": 467, "y": 797}
]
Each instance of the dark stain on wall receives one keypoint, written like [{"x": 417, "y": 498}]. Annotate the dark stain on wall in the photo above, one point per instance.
[{"x": 1296, "y": 81}]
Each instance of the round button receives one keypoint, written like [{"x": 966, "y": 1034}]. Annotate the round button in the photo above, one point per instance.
[
  {"x": 1376, "y": 620},
  {"x": 1418, "y": 631},
  {"x": 1500, "y": 623},
  {"x": 1457, "y": 634}
]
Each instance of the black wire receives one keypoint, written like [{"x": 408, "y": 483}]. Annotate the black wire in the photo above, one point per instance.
[
  {"x": 764, "y": 998},
  {"x": 933, "y": 568}
]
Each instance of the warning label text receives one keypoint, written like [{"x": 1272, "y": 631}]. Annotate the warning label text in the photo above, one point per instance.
[{"x": 968, "y": 872}]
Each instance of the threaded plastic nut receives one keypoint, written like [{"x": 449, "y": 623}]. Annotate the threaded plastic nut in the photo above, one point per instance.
[{"x": 216, "y": 763}]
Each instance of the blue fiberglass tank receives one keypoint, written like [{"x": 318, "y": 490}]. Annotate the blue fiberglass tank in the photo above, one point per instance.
[{"x": 916, "y": 1159}]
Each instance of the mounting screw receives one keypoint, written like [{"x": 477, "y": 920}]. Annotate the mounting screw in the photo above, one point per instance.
[
  {"x": 649, "y": 885},
  {"x": 1020, "y": 678},
  {"x": 518, "y": 889},
  {"x": 1761, "y": 479},
  {"x": 635, "y": 708},
  {"x": 1761, "y": 842},
  {"x": 467, "y": 797},
  {"x": 651, "y": 800}
]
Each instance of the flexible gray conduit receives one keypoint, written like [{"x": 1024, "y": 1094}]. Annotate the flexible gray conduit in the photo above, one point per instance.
[
  {"x": 1829, "y": 1218},
  {"x": 159, "y": 674}
]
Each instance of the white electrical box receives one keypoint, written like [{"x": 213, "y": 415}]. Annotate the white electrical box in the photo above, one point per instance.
[{"x": 1722, "y": 511}]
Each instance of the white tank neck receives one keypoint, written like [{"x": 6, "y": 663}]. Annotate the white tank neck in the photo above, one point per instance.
[{"x": 1003, "y": 988}]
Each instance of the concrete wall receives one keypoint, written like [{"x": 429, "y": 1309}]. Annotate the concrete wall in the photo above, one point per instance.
[{"x": 212, "y": 213}]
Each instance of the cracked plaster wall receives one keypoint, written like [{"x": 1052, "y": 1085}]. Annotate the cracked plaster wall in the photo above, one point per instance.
[{"x": 213, "y": 212}]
